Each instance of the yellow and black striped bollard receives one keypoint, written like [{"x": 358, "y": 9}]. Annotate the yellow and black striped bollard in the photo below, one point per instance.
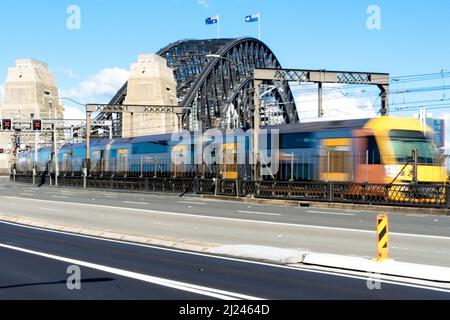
[{"x": 382, "y": 237}]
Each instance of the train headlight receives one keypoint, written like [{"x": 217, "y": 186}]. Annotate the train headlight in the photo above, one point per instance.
[{"x": 392, "y": 171}]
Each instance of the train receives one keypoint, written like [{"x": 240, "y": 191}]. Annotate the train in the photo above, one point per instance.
[{"x": 375, "y": 150}]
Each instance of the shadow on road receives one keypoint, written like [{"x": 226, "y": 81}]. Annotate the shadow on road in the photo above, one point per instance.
[{"x": 56, "y": 282}]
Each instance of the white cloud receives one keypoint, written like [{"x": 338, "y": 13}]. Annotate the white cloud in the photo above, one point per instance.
[
  {"x": 69, "y": 73},
  {"x": 99, "y": 88},
  {"x": 203, "y": 3},
  {"x": 72, "y": 112},
  {"x": 336, "y": 106}
]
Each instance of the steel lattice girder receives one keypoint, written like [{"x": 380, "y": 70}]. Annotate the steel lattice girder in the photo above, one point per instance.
[
  {"x": 206, "y": 88},
  {"x": 225, "y": 84},
  {"x": 324, "y": 76},
  {"x": 121, "y": 108}
]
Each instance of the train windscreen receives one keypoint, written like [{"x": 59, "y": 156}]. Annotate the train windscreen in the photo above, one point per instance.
[{"x": 404, "y": 142}]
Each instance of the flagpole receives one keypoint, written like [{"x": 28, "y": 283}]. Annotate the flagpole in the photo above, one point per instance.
[
  {"x": 259, "y": 27},
  {"x": 218, "y": 27}
]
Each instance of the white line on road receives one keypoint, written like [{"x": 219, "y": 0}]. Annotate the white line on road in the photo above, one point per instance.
[
  {"x": 65, "y": 192},
  {"x": 332, "y": 213},
  {"x": 133, "y": 202},
  {"x": 183, "y": 286},
  {"x": 260, "y": 213},
  {"x": 26, "y": 194},
  {"x": 162, "y": 224},
  {"x": 51, "y": 210},
  {"x": 192, "y": 202},
  {"x": 60, "y": 197},
  {"x": 226, "y": 219}
]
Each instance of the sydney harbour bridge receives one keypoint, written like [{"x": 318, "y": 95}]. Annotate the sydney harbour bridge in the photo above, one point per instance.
[{"x": 216, "y": 84}]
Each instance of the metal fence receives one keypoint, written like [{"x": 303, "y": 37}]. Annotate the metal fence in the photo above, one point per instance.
[
  {"x": 417, "y": 195},
  {"x": 306, "y": 165}
]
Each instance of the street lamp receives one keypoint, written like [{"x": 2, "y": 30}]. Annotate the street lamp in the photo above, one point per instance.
[
  {"x": 53, "y": 118},
  {"x": 72, "y": 100}
]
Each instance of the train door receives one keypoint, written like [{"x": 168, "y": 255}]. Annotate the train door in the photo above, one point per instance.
[
  {"x": 66, "y": 162},
  {"x": 229, "y": 167},
  {"x": 336, "y": 160},
  {"x": 122, "y": 161},
  {"x": 97, "y": 162},
  {"x": 368, "y": 164},
  {"x": 179, "y": 154}
]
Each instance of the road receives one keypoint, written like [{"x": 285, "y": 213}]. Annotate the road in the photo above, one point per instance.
[
  {"x": 34, "y": 263},
  {"x": 414, "y": 238}
]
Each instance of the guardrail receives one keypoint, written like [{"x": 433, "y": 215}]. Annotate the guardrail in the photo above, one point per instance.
[{"x": 417, "y": 195}]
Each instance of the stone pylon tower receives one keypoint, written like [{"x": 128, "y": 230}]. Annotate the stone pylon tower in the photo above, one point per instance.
[
  {"x": 30, "y": 92},
  {"x": 151, "y": 82}
]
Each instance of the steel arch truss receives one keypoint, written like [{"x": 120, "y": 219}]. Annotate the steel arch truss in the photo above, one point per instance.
[
  {"x": 223, "y": 94},
  {"x": 219, "y": 92}
]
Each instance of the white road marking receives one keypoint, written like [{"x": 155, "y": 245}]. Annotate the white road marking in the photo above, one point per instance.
[
  {"x": 65, "y": 192},
  {"x": 260, "y": 213},
  {"x": 26, "y": 194},
  {"x": 133, "y": 202},
  {"x": 226, "y": 219},
  {"x": 192, "y": 202},
  {"x": 310, "y": 269},
  {"x": 51, "y": 210},
  {"x": 332, "y": 213},
  {"x": 60, "y": 197},
  {"x": 162, "y": 224},
  {"x": 183, "y": 286}
]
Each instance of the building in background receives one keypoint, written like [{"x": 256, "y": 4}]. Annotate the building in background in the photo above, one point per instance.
[{"x": 438, "y": 126}]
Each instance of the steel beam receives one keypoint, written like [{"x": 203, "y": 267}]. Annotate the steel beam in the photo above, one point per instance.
[
  {"x": 121, "y": 108},
  {"x": 323, "y": 76},
  {"x": 381, "y": 80}
]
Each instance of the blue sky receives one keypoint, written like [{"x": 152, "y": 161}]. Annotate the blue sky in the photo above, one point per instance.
[{"x": 320, "y": 34}]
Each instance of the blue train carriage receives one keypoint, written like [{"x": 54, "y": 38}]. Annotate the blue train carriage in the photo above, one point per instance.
[
  {"x": 318, "y": 151},
  {"x": 24, "y": 163},
  {"x": 133, "y": 157},
  {"x": 144, "y": 156}
]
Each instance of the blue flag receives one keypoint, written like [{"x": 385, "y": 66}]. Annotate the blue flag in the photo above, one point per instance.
[
  {"x": 212, "y": 20},
  {"x": 252, "y": 18}
]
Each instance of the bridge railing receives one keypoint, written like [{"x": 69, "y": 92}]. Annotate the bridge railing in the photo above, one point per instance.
[{"x": 416, "y": 195}]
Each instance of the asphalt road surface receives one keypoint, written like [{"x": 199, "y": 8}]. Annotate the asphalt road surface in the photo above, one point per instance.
[
  {"x": 34, "y": 265},
  {"x": 414, "y": 237}
]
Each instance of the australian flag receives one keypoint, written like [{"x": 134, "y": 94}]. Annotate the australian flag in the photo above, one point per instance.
[
  {"x": 212, "y": 20},
  {"x": 252, "y": 18}
]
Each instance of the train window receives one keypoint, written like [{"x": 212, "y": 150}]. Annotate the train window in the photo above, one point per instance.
[
  {"x": 407, "y": 135},
  {"x": 150, "y": 147},
  {"x": 296, "y": 141},
  {"x": 96, "y": 154}
]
